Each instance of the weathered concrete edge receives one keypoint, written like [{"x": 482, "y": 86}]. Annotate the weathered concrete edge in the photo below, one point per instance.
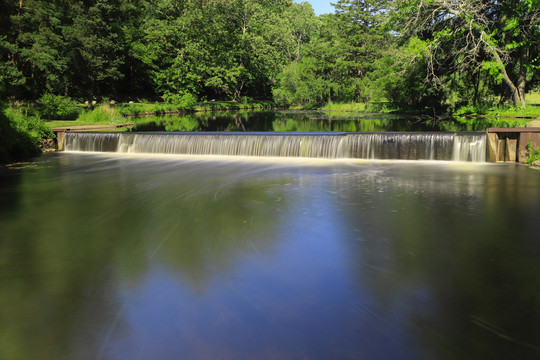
[
  {"x": 510, "y": 144},
  {"x": 61, "y": 131}
]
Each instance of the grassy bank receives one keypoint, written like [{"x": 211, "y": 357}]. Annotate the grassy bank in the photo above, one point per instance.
[
  {"x": 23, "y": 127},
  {"x": 532, "y": 111},
  {"x": 134, "y": 109},
  {"x": 134, "y": 112},
  {"x": 118, "y": 113},
  {"x": 20, "y": 135}
]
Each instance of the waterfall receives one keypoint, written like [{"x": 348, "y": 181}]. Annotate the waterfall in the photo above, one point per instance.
[
  {"x": 470, "y": 147},
  {"x": 404, "y": 146}
]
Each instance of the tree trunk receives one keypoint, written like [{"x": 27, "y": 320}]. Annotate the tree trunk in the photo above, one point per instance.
[
  {"x": 522, "y": 79},
  {"x": 476, "y": 88},
  {"x": 238, "y": 91},
  {"x": 518, "y": 98}
]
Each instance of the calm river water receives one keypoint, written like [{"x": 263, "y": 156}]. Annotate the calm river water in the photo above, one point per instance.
[{"x": 118, "y": 257}]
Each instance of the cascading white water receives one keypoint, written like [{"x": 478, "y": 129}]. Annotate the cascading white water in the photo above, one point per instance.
[
  {"x": 404, "y": 146},
  {"x": 316, "y": 146},
  {"x": 469, "y": 147}
]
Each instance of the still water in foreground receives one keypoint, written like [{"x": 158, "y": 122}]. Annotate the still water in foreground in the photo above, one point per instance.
[{"x": 117, "y": 257}]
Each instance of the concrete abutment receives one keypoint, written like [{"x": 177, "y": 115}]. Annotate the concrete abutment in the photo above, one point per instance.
[{"x": 510, "y": 144}]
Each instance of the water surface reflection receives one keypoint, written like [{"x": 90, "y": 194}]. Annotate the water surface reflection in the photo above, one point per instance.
[
  {"x": 315, "y": 121},
  {"x": 124, "y": 258}
]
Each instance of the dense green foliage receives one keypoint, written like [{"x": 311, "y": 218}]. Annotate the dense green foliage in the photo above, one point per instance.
[
  {"x": 534, "y": 154},
  {"x": 435, "y": 55},
  {"x": 57, "y": 107},
  {"x": 474, "y": 49},
  {"x": 19, "y": 135},
  {"x": 419, "y": 54}
]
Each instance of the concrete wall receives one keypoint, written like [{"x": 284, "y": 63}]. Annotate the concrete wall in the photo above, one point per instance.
[{"x": 510, "y": 144}]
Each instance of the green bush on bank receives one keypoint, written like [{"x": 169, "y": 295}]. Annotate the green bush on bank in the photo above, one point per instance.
[
  {"x": 534, "y": 154},
  {"x": 101, "y": 114},
  {"x": 56, "y": 107},
  {"x": 244, "y": 103},
  {"x": 20, "y": 134},
  {"x": 348, "y": 107},
  {"x": 34, "y": 126},
  {"x": 110, "y": 114},
  {"x": 181, "y": 102},
  {"x": 173, "y": 103},
  {"x": 135, "y": 108}
]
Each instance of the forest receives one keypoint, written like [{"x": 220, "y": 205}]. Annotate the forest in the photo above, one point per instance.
[
  {"x": 416, "y": 54},
  {"x": 413, "y": 53}
]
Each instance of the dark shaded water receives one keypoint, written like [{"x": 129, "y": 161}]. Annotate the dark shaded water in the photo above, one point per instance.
[
  {"x": 117, "y": 257},
  {"x": 281, "y": 121},
  {"x": 314, "y": 121}
]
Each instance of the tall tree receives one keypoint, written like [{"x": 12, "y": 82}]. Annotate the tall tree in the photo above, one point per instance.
[
  {"x": 501, "y": 38},
  {"x": 126, "y": 23},
  {"x": 342, "y": 50},
  {"x": 361, "y": 28},
  {"x": 92, "y": 50},
  {"x": 211, "y": 48},
  {"x": 9, "y": 73},
  {"x": 33, "y": 44}
]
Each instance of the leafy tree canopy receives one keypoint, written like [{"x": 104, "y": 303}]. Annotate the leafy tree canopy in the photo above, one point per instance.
[{"x": 420, "y": 53}]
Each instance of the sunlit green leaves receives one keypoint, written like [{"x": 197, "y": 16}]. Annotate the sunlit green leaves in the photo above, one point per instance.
[
  {"x": 475, "y": 44},
  {"x": 494, "y": 69},
  {"x": 417, "y": 47}
]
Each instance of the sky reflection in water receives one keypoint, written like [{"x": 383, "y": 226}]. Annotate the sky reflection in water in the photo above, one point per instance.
[{"x": 110, "y": 257}]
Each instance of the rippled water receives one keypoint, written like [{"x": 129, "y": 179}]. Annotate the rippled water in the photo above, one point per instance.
[{"x": 121, "y": 257}]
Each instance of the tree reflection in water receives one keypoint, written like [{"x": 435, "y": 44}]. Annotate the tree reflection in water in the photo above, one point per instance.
[{"x": 119, "y": 257}]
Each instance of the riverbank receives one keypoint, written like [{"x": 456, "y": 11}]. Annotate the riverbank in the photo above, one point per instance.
[
  {"x": 15, "y": 145},
  {"x": 19, "y": 136},
  {"x": 27, "y": 121},
  {"x": 531, "y": 112}
]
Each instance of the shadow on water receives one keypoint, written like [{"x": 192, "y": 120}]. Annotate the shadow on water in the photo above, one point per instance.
[
  {"x": 86, "y": 229},
  {"x": 281, "y": 121},
  {"x": 9, "y": 185}
]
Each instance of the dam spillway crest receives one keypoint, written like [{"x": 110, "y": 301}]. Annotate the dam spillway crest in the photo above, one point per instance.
[{"x": 399, "y": 146}]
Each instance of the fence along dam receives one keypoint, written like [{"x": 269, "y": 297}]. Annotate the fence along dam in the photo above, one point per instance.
[{"x": 398, "y": 146}]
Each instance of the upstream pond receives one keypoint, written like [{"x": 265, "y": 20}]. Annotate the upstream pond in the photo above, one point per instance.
[
  {"x": 110, "y": 256},
  {"x": 314, "y": 121}
]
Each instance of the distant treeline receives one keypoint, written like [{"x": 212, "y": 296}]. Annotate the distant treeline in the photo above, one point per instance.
[{"x": 437, "y": 54}]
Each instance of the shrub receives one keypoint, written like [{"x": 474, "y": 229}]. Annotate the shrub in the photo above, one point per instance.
[
  {"x": 56, "y": 107},
  {"x": 181, "y": 102},
  {"x": 534, "y": 154},
  {"x": 103, "y": 113},
  {"x": 19, "y": 134},
  {"x": 34, "y": 126}
]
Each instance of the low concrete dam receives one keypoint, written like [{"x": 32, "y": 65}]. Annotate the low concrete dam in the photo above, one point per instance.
[{"x": 400, "y": 146}]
